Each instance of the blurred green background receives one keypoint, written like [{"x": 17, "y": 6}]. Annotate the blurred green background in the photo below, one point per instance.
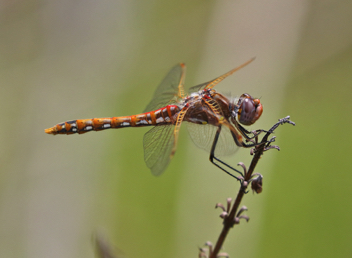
[{"x": 63, "y": 60}]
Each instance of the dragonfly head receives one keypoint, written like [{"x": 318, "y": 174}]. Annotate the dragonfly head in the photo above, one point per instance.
[{"x": 248, "y": 109}]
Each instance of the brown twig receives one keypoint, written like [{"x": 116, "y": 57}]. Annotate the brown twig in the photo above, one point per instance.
[
  {"x": 230, "y": 219},
  {"x": 104, "y": 249}
]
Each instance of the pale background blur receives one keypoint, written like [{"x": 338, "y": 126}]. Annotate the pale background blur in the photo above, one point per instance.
[{"x": 64, "y": 60}]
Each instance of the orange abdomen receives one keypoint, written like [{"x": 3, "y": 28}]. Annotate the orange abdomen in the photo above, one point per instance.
[{"x": 165, "y": 115}]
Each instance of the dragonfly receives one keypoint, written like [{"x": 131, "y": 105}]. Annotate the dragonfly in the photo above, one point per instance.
[{"x": 215, "y": 122}]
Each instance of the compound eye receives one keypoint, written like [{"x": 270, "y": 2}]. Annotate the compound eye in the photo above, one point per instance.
[
  {"x": 258, "y": 110},
  {"x": 250, "y": 111}
]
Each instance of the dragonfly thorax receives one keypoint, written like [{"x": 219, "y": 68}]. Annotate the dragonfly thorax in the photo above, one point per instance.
[{"x": 193, "y": 97}]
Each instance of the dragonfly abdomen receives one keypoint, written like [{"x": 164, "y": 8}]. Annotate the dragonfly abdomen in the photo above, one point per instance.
[
  {"x": 81, "y": 126},
  {"x": 160, "y": 116},
  {"x": 165, "y": 115}
]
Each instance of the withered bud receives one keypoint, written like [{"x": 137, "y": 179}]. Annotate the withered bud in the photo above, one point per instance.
[
  {"x": 220, "y": 205},
  {"x": 202, "y": 253},
  {"x": 224, "y": 215},
  {"x": 244, "y": 217},
  {"x": 257, "y": 184},
  {"x": 208, "y": 243},
  {"x": 244, "y": 184}
]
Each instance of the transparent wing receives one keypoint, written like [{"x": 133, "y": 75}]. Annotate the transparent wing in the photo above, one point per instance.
[
  {"x": 158, "y": 144},
  {"x": 169, "y": 89},
  {"x": 203, "y": 137},
  {"x": 198, "y": 87},
  {"x": 212, "y": 83}
]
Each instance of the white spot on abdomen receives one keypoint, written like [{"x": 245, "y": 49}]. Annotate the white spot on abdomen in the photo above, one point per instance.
[
  {"x": 160, "y": 120},
  {"x": 141, "y": 122}
]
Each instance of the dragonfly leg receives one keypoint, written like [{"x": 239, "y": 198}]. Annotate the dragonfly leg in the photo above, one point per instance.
[
  {"x": 245, "y": 133},
  {"x": 212, "y": 158}
]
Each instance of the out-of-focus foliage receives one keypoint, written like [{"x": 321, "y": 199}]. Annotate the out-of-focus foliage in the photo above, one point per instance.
[{"x": 308, "y": 207}]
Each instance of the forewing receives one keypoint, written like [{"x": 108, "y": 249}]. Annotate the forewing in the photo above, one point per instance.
[
  {"x": 168, "y": 90},
  {"x": 197, "y": 87},
  {"x": 158, "y": 143},
  {"x": 203, "y": 137},
  {"x": 212, "y": 83}
]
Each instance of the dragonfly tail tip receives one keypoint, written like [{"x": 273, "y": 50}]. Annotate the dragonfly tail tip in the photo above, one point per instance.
[{"x": 50, "y": 131}]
